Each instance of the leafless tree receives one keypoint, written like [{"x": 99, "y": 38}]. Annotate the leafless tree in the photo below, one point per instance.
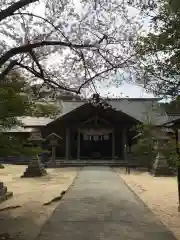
[{"x": 66, "y": 43}]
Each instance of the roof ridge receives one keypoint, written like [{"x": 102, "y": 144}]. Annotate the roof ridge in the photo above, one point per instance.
[{"x": 116, "y": 99}]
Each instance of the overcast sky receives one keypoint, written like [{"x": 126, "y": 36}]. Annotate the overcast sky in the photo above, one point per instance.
[{"x": 124, "y": 90}]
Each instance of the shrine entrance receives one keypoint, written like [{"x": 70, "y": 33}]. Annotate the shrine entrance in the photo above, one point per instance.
[
  {"x": 96, "y": 144},
  {"x": 94, "y": 133}
]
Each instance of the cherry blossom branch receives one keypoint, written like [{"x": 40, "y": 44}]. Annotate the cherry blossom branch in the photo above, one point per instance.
[
  {"x": 46, "y": 79},
  {"x": 103, "y": 72},
  {"x": 9, "y": 11},
  {"x": 29, "y": 47}
]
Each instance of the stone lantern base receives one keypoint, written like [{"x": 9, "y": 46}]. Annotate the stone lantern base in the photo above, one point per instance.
[
  {"x": 160, "y": 167},
  {"x": 1, "y": 166},
  {"x": 35, "y": 169},
  {"x": 4, "y": 194}
]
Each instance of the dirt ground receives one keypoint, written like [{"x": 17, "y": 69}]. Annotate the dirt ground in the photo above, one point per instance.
[
  {"x": 26, "y": 221},
  {"x": 159, "y": 194}
]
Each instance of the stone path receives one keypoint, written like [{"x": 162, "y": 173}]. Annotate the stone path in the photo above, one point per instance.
[{"x": 100, "y": 206}]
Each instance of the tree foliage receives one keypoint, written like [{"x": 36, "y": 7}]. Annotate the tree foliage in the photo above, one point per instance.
[
  {"x": 67, "y": 43},
  {"x": 172, "y": 107},
  {"x": 45, "y": 110},
  {"x": 149, "y": 146},
  {"x": 145, "y": 140},
  {"x": 14, "y": 103},
  {"x": 159, "y": 50},
  {"x": 169, "y": 151}
]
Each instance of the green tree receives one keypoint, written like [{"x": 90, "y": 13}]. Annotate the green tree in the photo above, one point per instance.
[
  {"x": 147, "y": 148},
  {"x": 169, "y": 151},
  {"x": 45, "y": 110},
  {"x": 15, "y": 101},
  {"x": 144, "y": 146},
  {"x": 172, "y": 107},
  {"x": 159, "y": 50}
]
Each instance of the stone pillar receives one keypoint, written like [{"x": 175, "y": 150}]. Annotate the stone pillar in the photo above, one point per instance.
[
  {"x": 4, "y": 194},
  {"x": 67, "y": 143},
  {"x": 78, "y": 145},
  {"x": 113, "y": 145}
]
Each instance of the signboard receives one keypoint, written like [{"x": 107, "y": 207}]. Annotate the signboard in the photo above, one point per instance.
[{"x": 96, "y": 132}]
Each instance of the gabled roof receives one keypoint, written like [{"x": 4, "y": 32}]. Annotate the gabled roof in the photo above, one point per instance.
[
  {"x": 138, "y": 108},
  {"x": 53, "y": 135}
]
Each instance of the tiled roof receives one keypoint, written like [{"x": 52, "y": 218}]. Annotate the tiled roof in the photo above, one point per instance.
[
  {"x": 138, "y": 108},
  {"x": 34, "y": 121},
  {"x": 68, "y": 106},
  {"x": 172, "y": 119},
  {"x": 145, "y": 111},
  {"x": 20, "y": 129}
]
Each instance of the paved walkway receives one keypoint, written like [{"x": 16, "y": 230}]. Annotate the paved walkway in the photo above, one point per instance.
[{"x": 99, "y": 206}]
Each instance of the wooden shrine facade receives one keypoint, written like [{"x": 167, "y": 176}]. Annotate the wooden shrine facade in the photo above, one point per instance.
[{"x": 90, "y": 132}]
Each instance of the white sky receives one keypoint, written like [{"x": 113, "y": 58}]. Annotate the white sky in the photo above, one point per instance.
[{"x": 125, "y": 90}]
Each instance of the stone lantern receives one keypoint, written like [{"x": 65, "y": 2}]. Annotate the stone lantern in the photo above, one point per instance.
[
  {"x": 4, "y": 194},
  {"x": 160, "y": 166},
  {"x": 35, "y": 167}
]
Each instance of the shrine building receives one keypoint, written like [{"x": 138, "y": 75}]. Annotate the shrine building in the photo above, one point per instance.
[{"x": 95, "y": 129}]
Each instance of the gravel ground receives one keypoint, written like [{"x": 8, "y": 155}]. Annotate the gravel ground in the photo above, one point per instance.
[
  {"x": 158, "y": 193},
  {"x": 26, "y": 221}
]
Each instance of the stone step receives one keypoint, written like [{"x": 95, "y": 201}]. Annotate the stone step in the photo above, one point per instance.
[{"x": 60, "y": 163}]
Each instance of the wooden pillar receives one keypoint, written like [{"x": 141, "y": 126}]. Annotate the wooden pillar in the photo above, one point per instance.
[
  {"x": 53, "y": 157},
  {"x": 78, "y": 145},
  {"x": 124, "y": 142},
  {"x": 67, "y": 143},
  {"x": 113, "y": 144}
]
